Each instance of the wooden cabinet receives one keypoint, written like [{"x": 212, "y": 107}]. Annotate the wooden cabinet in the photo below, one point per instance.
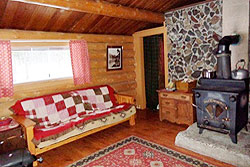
[
  {"x": 11, "y": 140},
  {"x": 176, "y": 107}
]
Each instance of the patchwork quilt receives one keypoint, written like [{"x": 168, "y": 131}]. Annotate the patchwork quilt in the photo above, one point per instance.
[{"x": 57, "y": 113}]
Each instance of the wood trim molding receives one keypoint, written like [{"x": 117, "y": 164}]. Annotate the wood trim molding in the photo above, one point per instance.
[
  {"x": 101, "y": 8},
  {"x": 139, "y": 56},
  {"x": 139, "y": 69},
  {"x": 149, "y": 32}
]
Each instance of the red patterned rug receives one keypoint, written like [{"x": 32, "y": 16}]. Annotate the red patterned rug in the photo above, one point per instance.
[{"x": 137, "y": 152}]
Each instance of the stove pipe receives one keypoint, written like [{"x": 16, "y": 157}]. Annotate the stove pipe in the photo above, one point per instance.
[{"x": 224, "y": 56}]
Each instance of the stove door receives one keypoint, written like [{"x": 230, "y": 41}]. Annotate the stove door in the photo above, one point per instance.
[{"x": 213, "y": 111}]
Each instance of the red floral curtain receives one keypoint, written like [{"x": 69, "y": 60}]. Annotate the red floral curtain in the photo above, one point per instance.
[
  {"x": 6, "y": 77},
  {"x": 80, "y": 61}
]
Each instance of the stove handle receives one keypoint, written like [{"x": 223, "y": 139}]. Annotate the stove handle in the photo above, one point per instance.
[
  {"x": 198, "y": 107},
  {"x": 197, "y": 94},
  {"x": 232, "y": 98}
]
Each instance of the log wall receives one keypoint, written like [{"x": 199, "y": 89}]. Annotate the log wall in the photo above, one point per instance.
[{"x": 123, "y": 81}]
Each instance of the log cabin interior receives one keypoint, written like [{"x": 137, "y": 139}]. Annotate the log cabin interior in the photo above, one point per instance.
[{"x": 77, "y": 76}]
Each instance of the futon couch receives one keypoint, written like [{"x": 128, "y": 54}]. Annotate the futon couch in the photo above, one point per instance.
[{"x": 56, "y": 119}]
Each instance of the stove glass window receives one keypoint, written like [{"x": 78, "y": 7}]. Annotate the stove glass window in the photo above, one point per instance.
[
  {"x": 218, "y": 110},
  {"x": 209, "y": 109}
]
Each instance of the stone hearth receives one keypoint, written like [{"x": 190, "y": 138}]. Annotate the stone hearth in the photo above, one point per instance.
[{"x": 216, "y": 145}]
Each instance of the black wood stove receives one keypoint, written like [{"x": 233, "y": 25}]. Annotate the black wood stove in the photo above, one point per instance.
[{"x": 222, "y": 105}]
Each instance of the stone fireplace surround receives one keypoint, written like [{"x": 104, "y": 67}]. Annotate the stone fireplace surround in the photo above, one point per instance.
[{"x": 193, "y": 35}]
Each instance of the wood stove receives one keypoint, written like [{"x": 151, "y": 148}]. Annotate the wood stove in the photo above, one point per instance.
[{"x": 222, "y": 105}]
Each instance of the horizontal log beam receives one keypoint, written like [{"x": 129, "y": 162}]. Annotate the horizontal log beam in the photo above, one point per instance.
[
  {"x": 102, "y": 46},
  {"x": 123, "y": 86},
  {"x": 129, "y": 92},
  {"x": 103, "y": 70},
  {"x": 102, "y": 64},
  {"x": 101, "y": 8},
  {"x": 103, "y": 54},
  {"x": 40, "y": 35}
]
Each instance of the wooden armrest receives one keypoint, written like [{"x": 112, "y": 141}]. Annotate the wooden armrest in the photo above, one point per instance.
[
  {"x": 25, "y": 122},
  {"x": 125, "y": 99}
]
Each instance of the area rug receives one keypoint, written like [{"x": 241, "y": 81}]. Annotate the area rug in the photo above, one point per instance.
[
  {"x": 216, "y": 145},
  {"x": 136, "y": 152}
]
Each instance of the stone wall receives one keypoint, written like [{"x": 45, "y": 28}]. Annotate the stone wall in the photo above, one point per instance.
[{"x": 193, "y": 35}]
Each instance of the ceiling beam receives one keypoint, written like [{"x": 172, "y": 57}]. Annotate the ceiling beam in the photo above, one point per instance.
[{"x": 101, "y": 8}]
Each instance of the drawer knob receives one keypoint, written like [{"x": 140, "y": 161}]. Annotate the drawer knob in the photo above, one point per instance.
[
  {"x": 1, "y": 142},
  {"x": 184, "y": 97},
  {"x": 10, "y": 155},
  {"x": 167, "y": 103},
  {"x": 165, "y": 95}
]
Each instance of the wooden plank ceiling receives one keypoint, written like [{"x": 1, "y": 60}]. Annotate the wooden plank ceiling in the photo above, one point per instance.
[{"x": 26, "y": 16}]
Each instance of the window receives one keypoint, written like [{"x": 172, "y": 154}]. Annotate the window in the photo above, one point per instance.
[{"x": 39, "y": 63}]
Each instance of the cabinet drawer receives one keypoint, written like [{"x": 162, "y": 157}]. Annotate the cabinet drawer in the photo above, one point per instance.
[
  {"x": 168, "y": 103},
  {"x": 12, "y": 143},
  {"x": 168, "y": 114},
  {"x": 10, "y": 133},
  {"x": 175, "y": 96}
]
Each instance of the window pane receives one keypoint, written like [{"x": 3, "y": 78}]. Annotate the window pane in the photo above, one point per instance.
[{"x": 41, "y": 64}]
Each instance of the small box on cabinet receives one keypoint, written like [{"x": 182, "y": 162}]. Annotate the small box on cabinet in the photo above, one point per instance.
[{"x": 185, "y": 86}]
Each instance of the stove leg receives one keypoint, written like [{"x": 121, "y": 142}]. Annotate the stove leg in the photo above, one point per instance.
[
  {"x": 200, "y": 130},
  {"x": 233, "y": 138}
]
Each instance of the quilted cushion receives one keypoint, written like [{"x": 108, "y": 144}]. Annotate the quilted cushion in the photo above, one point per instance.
[
  {"x": 43, "y": 133},
  {"x": 55, "y": 109},
  {"x": 58, "y": 112}
]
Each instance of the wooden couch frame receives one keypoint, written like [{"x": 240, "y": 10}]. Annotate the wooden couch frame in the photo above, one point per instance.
[{"x": 28, "y": 126}]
